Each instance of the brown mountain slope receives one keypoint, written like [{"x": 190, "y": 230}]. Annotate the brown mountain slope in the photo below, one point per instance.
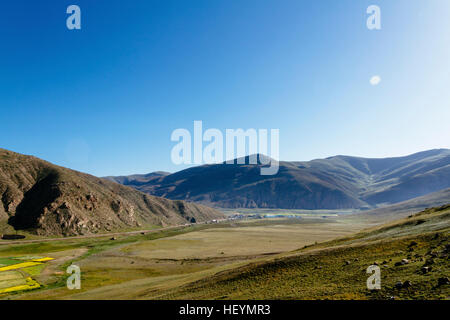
[
  {"x": 50, "y": 200},
  {"x": 406, "y": 208},
  {"x": 338, "y": 182}
]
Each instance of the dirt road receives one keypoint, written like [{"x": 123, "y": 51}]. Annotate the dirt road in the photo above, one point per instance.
[{"x": 105, "y": 235}]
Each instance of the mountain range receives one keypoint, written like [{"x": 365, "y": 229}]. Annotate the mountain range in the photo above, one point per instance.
[
  {"x": 46, "y": 199},
  {"x": 336, "y": 182}
]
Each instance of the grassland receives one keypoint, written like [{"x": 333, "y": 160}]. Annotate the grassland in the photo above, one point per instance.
[
  {"x": 337, "y": 269},
  {"x": 129, "y": 265},
  {"x": 309, "y": 258}
]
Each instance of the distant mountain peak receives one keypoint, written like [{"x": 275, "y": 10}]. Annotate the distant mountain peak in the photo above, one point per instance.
[
  {"x": 256, "y": 159},
  {"x": 333, "y": 183}
]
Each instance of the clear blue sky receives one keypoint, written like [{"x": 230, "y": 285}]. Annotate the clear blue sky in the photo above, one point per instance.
[{"x": 105, "y": 99}]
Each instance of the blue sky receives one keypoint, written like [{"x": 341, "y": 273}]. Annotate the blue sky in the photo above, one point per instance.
[{"x": 105, "y": 99}]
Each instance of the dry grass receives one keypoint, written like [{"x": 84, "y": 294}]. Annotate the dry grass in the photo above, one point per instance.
[
  {"x": 151, "y": 267},
  {"x": 269, "y": 259},
  {"x": 241, "y": 241}
]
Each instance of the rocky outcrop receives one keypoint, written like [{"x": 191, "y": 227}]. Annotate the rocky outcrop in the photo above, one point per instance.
[{"x": 50, "y": 200}]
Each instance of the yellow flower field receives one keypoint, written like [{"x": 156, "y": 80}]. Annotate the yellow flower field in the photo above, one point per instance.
[
  {"x": 19, "y": 266},
  {"x": 12, "y": 281},
  {"x": 30, "y": 284}
]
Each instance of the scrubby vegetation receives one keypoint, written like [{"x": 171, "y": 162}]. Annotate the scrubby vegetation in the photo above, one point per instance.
[
  {"x": 413, "y": 255},
  {"x": 260, "y": 259}
]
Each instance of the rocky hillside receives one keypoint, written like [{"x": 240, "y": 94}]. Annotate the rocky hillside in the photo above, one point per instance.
[
  {"x": 405, "y": 208},
  {"x": 138, "y": 179},
  {"x": 50, "y": 200},
  {"x": 332, "y": 183}
]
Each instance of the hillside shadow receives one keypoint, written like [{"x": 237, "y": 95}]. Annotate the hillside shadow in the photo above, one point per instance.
[{"x": 43, "y": 192}]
